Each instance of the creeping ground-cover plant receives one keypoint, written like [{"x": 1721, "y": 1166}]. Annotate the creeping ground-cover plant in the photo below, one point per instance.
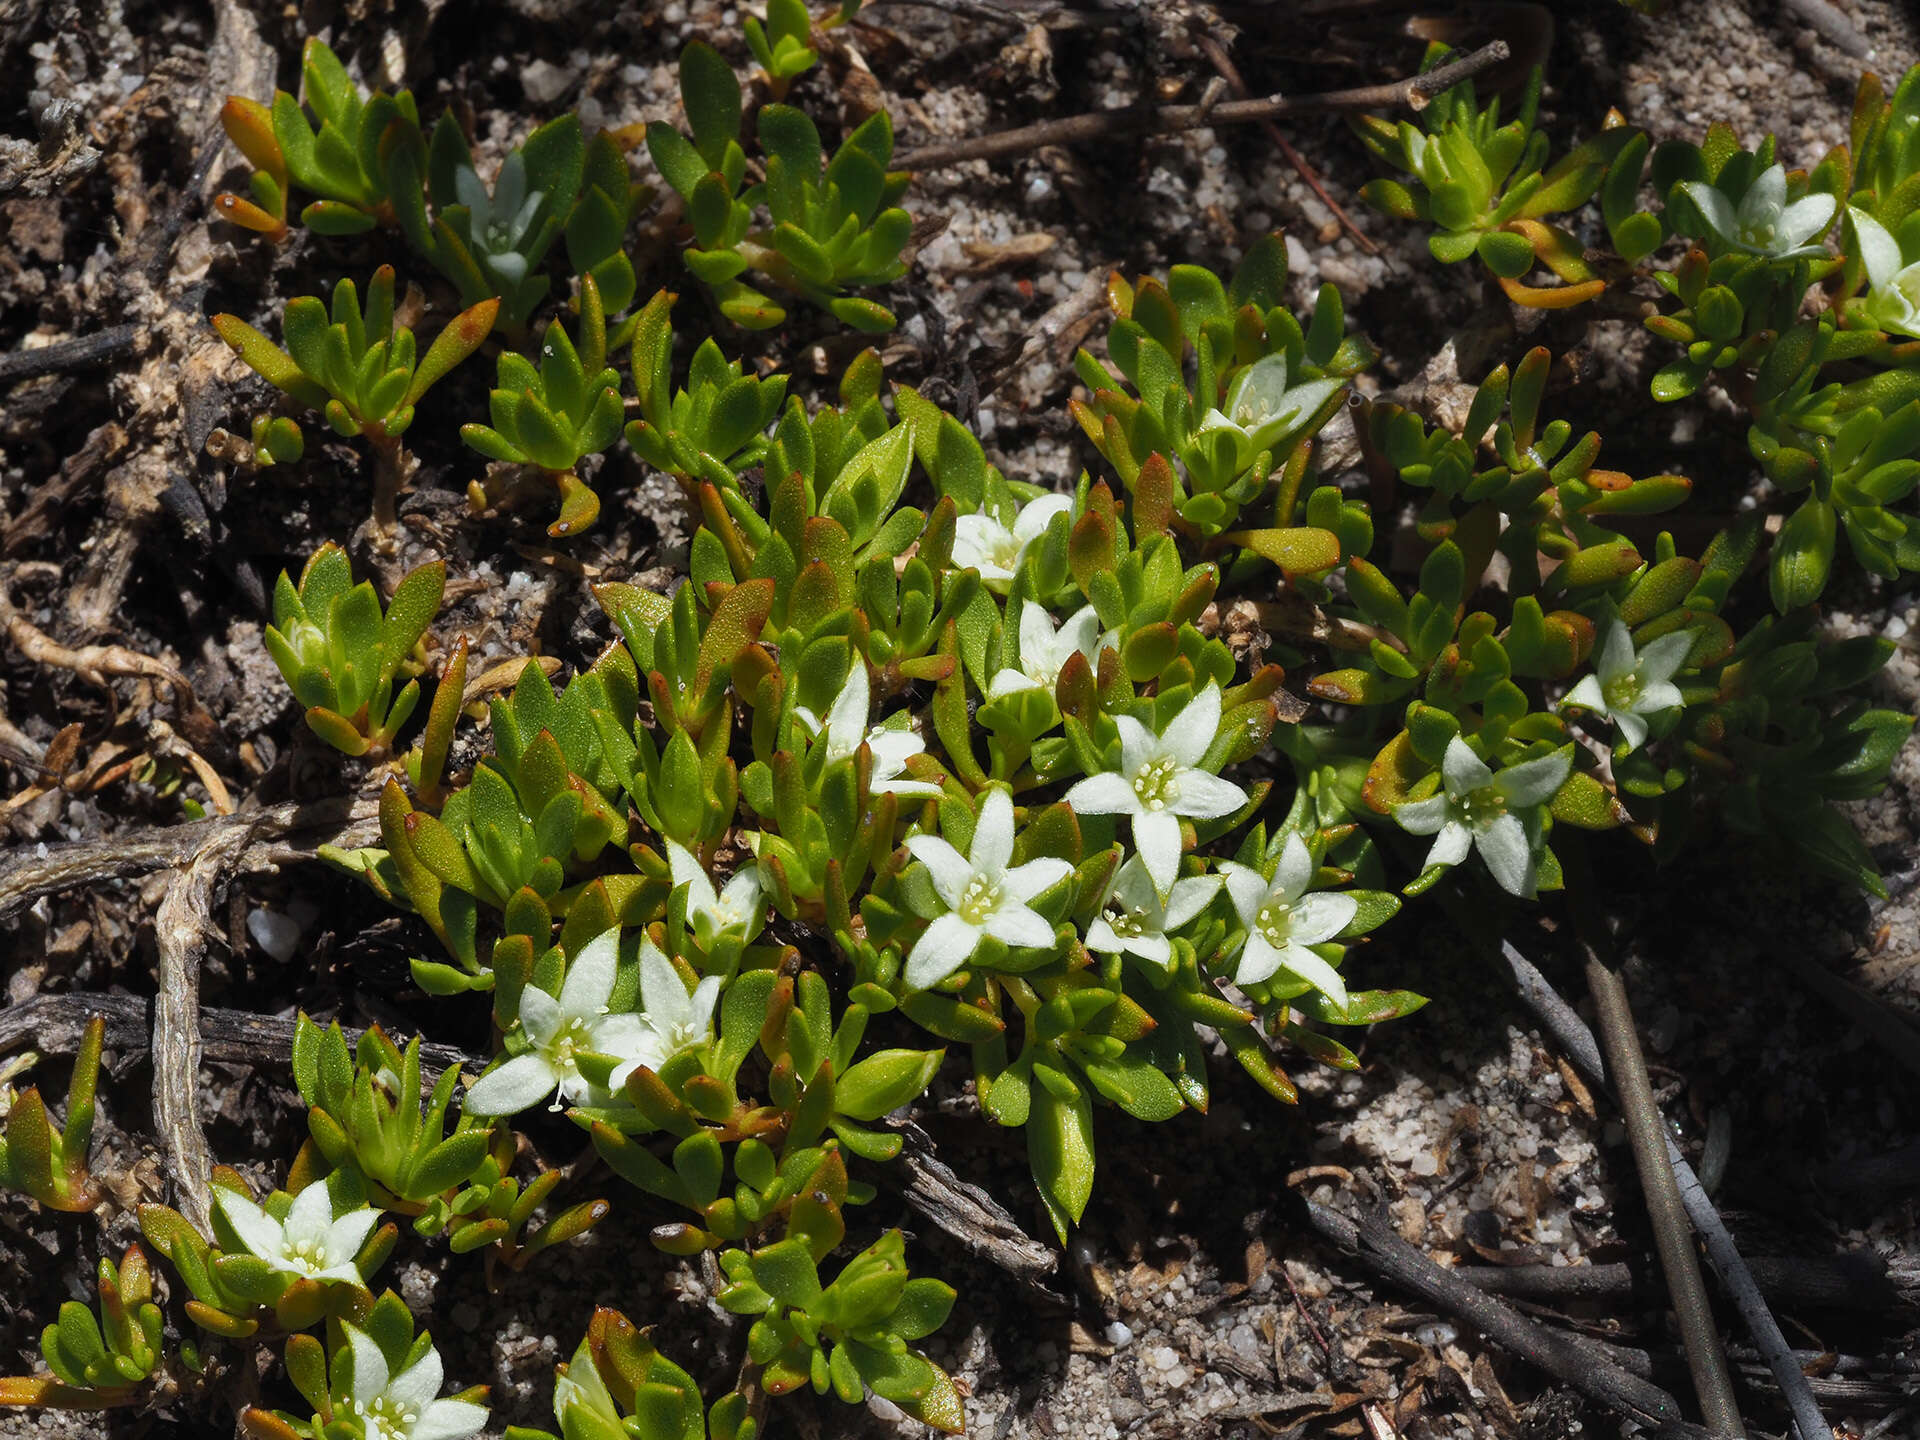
[{"x": 1069, "y": 786}]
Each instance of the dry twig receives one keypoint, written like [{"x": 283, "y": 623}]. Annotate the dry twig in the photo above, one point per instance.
[
  {"x": 229, "y": 1037},
  {"x": 1574, "y": 1360},
  {"x": 1570, "y": 1032},
  {"x": 180, "y": 933},
  {"x": 1173, "y": 119}
]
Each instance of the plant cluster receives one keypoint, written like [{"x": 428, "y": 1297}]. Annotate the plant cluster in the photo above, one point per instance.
[
  {"x": 832, "y": 227},
  {"x": 922, "y": 760}
]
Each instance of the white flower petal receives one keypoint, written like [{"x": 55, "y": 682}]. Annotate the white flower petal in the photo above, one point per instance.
[
  {"x": 1662, "y": 658},
  {"x": 1616, "y": 653},
  {"x": 992, "y": 834},
  {"x": 1035, "y": 516},
  {"x": 1878, "y": 250},
  {"x": 540, "y": 1015},
  {"x": 510, "y": 185},
  {"x": 1806, "y": 219},
  {"x": 1463, "y": 771},
  {"x": 1536, "y": 781},
  {"x": 944, "y": 946},
  {"x": 449, "y": 1420},
  {"x": 1450, "y": 846},
  {"x": 1205, "y": 797},
  {"x": 416, "y": 1387},
  {"x": 1100, "y": 936},
  {"x": 847, "y": 720},
  {"x": 1320, "y": 917},
  {"x": 1107, "y": 793},
  {"x": 1587, "y": 695},
  {"x": 1157, "y": 837},
  {"x": 258, "y": 1231},
  {"x": 589, "y": 982},
  {"x": 1631, "y": 728},
  {"x": 309, "y": 1219},
  {"x": 1189, "y": 897},
  {"x": 1258, "y": 960},
  {"x": 946, "y": 867},
  {"x": 369, "y": 1364},
  {"x": 1138, "y": 745},
  {"x": 1714, "y": 208},
  {"x": 1014, "y": 924},
  {"x": 1078, "y": 633},
  {"x": 1193, "y": 729},
  {"x": 687, "y": 870},
  {"x": 1247, "y": 888},
  {"x": 1023, "y": 882},
  {"x": 1765, "y": 196},
  {"x": 1658, "y": 697},
  {"x": 1295, "y": 871},
  {"x": 1503, "y": 845},
  {"x": 1009, "y": 682},
  {"x": 891, "y": 749},
  {"x": 1155, "y": 949},
  {"x": 508, "y": 266},
  {"x": 1315, "y": 971},
  {"x": 469, "y": 192},
  {"x": 522, "y": 1081},
  {"x": 1424, "y": 817},
  {"x": 1036, "y": 636},
  {"x": 347, "y": 1234},
  {"x": 663, "y": 994}
]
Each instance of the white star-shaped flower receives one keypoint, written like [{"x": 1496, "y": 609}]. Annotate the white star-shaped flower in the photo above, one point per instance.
[
  {"x": 1282, "y": 920},
  {"x": 1045, "y": 650},
  {"x": 1133, "y": 920},
  {"x": 1499, "y": 814},
  {"x": 1763, "y": 223},
  {"x": 1631, "y": 688},
  {"x": 558, "y": 1031},
  {"x": 846, "y": 729},
  {"x": 983, "y": 897},
  {"x": 736, "y": 910},
  {"x": 310, "y": 1243},
  {"x": 1893, "y": 295},
  {"x": 499, "y": 222},
  {"x": 982, "y": 543},
  {"x": 404, "y": 1406},
  {"x": 1158, "y": 780},
  {"x": 1261, "y": 409},
  {"x": 673, "y": 1019}
]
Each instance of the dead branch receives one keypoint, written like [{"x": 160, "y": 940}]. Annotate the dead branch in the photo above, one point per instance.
[
  {"x": 229, "y": 1037},
  {"x": 180, "y": 930},
  {"x": 971, "y": 1216},
  {"x": 1585, "y": 1365},
  {"x": 1570, "y": 1032},
  {"x": 1173, "y": 119},
  {"x": 277, "y": 835}
]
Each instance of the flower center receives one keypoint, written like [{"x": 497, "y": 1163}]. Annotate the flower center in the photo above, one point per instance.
[
  {"x": 1275, "y": 922},
  {"x": 383, "y": 1419},
  {"x": 1758, "y": 235},
  {"x": 1158, "y": 783},
  {"x": 1484, "y": 806},
  {"x": 574, "y": 1035},
  {"x": 1126, "y": 923},
  {"x": 979, "y": 900},
  {"x": 1622, "y": 690},
  {"x": 1001, "y": 549},
  {"x": 309, "y": 1255}
]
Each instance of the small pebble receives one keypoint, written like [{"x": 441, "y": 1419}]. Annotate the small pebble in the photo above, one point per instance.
[
  {"x": 277, "y": 934},
  {"x": 884, "y": 1409},
  {"x": 1119, "y": 1336}
]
